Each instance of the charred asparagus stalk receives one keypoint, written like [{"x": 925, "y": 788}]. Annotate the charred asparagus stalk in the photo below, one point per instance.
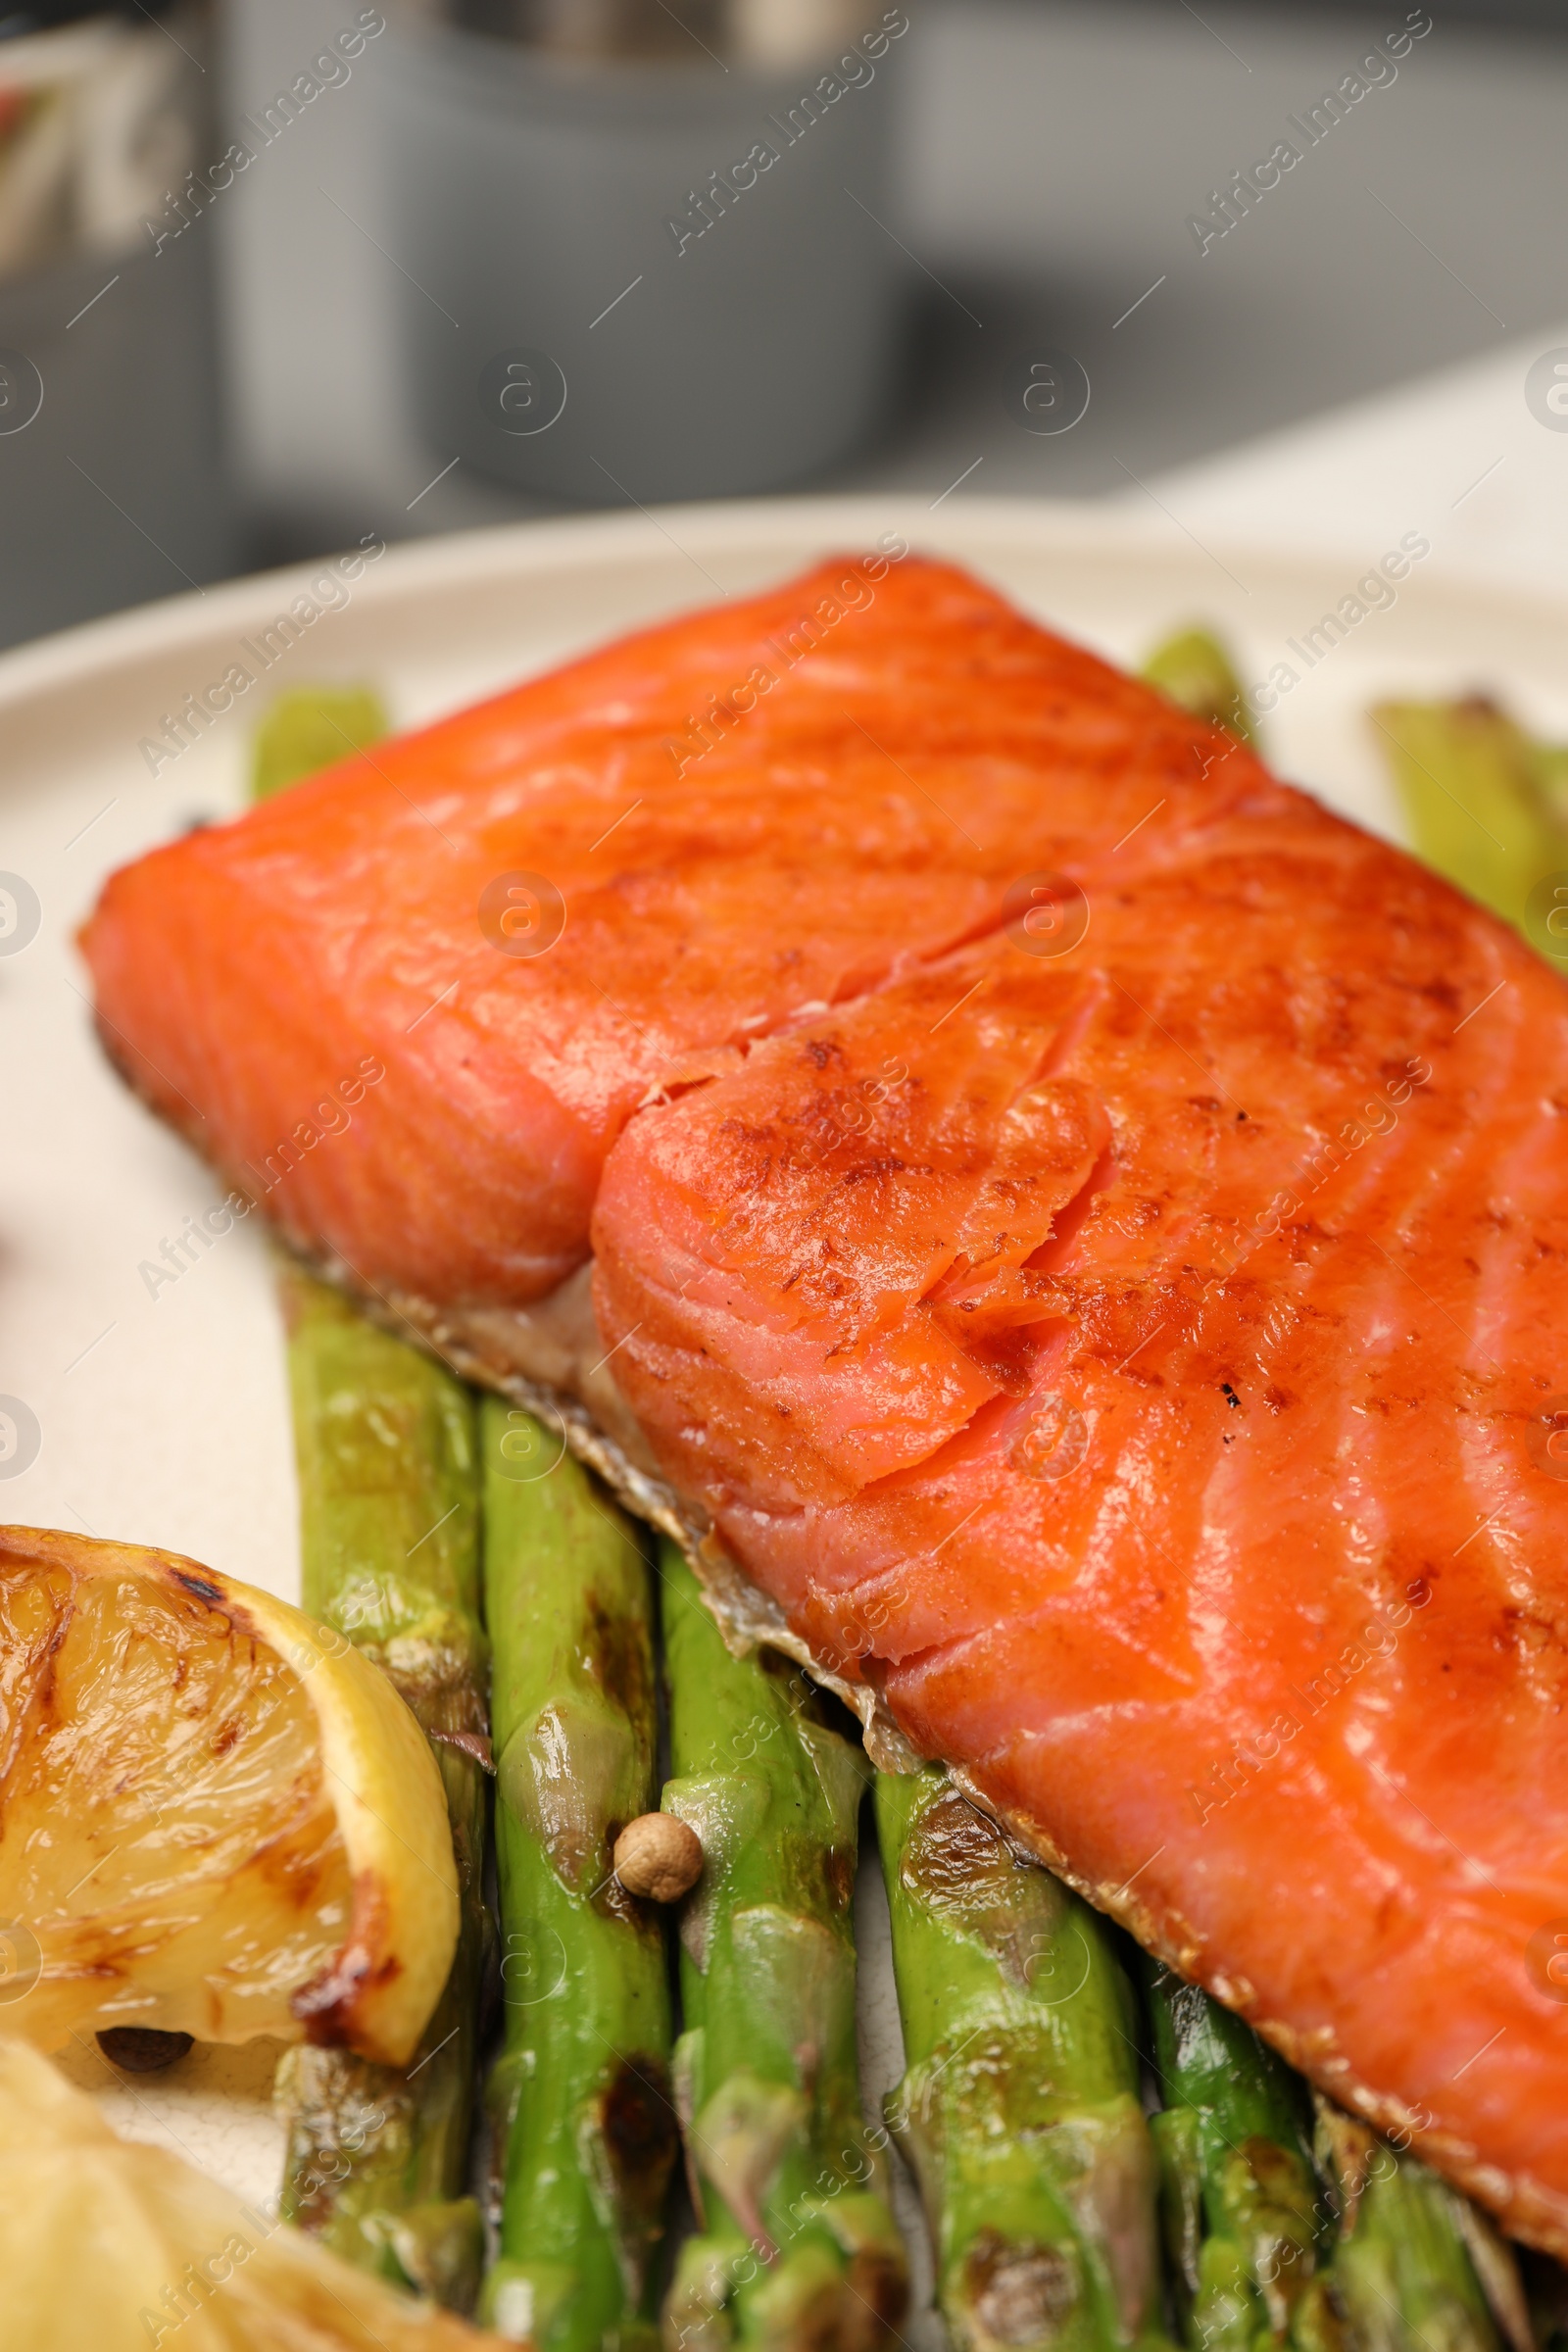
[
  {"x": 580, "y": 2102},
  {"x": 1196, "y": 671},
  {"x": 1417, "y": 2267},
  {"x": 796, "y": 2246},
  {"x": 386, "y": 1445},
  {"x": 1020, "y": 2111},
  {"x": 1243, "y": 2215},
  {"x": 1400, "y": 2263},
  {"x": 388, "y": 1473}
]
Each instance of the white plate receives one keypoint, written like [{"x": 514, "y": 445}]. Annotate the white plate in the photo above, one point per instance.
[{"x": 163, "y": 1420}]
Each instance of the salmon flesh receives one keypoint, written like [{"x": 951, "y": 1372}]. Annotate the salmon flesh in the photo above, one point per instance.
[{"x": 1072, "y": 1227}]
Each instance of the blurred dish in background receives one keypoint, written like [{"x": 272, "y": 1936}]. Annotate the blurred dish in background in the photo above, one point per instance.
[
  {"x": 92, "y": 132},
  {"x": 645, "y": 255},
  {"x": 110, "y": 482}
]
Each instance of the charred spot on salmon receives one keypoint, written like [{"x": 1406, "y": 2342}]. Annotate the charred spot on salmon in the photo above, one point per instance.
[
  {"x": 1230, "y": 1394},
  {"x": 1020, "y": 2294},
  {"x": 747, "y": 1131},
  {"x": 1011, "y": 1358}
]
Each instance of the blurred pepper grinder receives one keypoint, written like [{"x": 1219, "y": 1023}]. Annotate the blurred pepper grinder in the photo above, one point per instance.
[
  {"x": 645, "y": 246},
  {"x": 111, "y": 483}
]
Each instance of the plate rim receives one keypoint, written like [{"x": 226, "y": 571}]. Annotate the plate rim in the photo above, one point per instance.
[{"x": 536, "y": 545}]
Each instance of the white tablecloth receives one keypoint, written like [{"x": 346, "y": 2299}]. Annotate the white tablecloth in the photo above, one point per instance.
[{"x": 1457, "y": 455}]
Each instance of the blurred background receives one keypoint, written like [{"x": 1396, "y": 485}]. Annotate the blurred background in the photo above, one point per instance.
[{"x": 278, "y": 274}]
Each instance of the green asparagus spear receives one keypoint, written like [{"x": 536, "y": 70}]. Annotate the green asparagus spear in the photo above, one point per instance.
[
  {"x": 1408, "y": 2266},
  {"x": 1196, "y": 671},
  {"x": 1019, "y": 2110},
  {"x": 1483, "y": 803},
  {"x": 1549, "y": 769},
  {"x": 579, "y": 2099},
  {"x": 312, "y": 727},
  {"x": 1416, "y": 2268},
  {"x": 796, "y": 2249},
  {"x": 1244, "y": 2216},
  {"x": 386, "y": 1447},
  {"x": 376, "y": 2157}
]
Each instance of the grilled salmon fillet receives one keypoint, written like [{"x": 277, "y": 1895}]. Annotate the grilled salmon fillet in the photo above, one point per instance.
[
  {"x": 725, "y": 854},
  {"x": 1078, "y": 1225}
]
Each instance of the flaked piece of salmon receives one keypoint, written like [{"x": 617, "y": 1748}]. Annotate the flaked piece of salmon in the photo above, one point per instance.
[
  {"x": 1108, "y": 1344},
  {"x": 1140, "y": 1364}
]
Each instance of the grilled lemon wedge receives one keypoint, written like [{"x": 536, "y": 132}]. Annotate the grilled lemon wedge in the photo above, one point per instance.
[
  {"x": 109, "y": 2247},
  {"x": 214, "y": 1816}
]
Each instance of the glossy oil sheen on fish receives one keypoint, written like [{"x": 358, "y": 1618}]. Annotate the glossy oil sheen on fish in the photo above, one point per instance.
[{"x": 1085, "y": 1224}]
